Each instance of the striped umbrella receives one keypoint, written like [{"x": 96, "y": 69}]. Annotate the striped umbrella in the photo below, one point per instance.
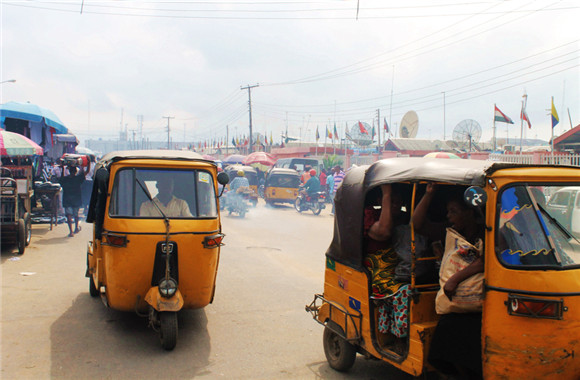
[{"x": 15, "y": 144}]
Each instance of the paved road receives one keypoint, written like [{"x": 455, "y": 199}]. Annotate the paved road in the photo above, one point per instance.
[{"x": 271, "y": 266}]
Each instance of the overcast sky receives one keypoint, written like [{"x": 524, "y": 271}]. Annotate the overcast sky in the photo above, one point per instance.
[{"x": 315, "y": 62}]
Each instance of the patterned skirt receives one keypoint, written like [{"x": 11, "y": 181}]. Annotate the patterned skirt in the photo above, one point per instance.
[
  {"x": 393, "y": 311},
  {"x": 382, "y": 266}
]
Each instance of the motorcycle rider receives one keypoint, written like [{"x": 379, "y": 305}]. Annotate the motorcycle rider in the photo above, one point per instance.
[
  {"x": 237, "y": 186},
  {"x": 312, "y": 186}
]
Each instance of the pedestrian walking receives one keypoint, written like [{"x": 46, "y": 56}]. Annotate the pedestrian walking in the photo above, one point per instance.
[{"x": 72, "y": 196}]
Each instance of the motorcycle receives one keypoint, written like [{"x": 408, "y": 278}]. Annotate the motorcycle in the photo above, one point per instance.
[
  {"x": 238, "y": 202},
  {"x": 314, "y": 202}
]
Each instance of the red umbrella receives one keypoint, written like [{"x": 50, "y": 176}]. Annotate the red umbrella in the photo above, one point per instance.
[{"x": 261, "y": 158}]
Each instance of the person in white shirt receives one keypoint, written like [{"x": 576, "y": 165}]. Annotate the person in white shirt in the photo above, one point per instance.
[{"x": 171, "y": 206}]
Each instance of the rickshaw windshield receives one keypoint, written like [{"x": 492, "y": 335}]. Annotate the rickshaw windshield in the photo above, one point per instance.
[
  {"x": 178, "y": 193},
  {"x": 538, "y": 226},
  {"x": 280, "y": 180}
]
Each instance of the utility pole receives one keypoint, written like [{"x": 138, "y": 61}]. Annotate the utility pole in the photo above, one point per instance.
[
  {"x": 379, "y": 129},
  {"x": 249, "y": 88},
  {"x": 168, "y": 118},
  {"x": 444, "y": 136},
  {"x": 227, "y": 139},
  {"x": 140, "y": 122}
]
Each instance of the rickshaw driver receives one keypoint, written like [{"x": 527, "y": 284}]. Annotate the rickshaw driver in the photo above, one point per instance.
[{"x": 171, "y": 206}]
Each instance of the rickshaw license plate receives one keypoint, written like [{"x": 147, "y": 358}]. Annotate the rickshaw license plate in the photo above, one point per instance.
[{"x": 321, "y": 200}]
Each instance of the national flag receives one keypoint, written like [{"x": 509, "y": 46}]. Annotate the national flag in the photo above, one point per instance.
[
  {"x": 317, "y": 134},
  {"x": 501, "y": 117},
  {"x": 373, "y": 131},
  {"x": 328, "y": 133},
  {"x": 555, "y": 119},
  {"x": 233, "y": 141},
  {"x": 335, "y": 132},
  {"x": 362, "y": 128},
  {"x": 271, "y": 139},
  {"x": 386, "y": 125},
  {"x": 524, "y": 117}
]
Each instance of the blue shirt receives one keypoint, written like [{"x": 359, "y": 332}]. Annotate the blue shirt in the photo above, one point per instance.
[
  {"x": 312, "y": 185},
  {"x": 239, "y": 182}
]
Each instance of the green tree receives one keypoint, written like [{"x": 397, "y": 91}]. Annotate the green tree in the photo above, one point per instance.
[{"x": 331, "y": 161}]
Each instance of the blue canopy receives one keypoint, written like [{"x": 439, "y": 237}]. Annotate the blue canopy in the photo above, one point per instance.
[{"x": 32, "y": 112}]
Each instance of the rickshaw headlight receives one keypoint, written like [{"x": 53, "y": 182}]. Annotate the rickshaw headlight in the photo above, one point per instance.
[{"x": 167, "y": 287}]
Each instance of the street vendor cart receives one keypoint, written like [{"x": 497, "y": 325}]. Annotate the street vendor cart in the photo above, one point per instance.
[{"x": 16, "y": 153}]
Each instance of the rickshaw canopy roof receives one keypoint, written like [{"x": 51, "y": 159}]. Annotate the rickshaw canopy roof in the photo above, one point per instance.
[
  {"x": 241, "y": 167},
  {"x": 281, "y": 171},
  {"x": 180, "y": 155},
  {"x": 346, "y": 246}
]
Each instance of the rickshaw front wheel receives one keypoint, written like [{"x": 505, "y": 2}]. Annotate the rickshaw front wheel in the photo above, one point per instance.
[
  {"x": 339, "y": 353},
  {"x": 168, "y": 329},
  {"x": 93, "y": 291},
  {"x": 21, "y": 236}
]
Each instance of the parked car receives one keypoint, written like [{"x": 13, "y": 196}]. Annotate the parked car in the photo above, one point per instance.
[{"x": 564, "y": 205}]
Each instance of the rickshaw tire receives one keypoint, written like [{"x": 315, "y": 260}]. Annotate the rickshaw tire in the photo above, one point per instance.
[
  {"x": 340, "y": 354},
  {"x": 168, "y": 329},
  {"x": 93, "y": 291},
  {"x": 316, "y": 209},
  {"x": 28, "y": 221},
  {"x": 21, "y": 236}
]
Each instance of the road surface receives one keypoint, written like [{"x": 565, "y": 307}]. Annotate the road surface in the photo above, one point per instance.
[{"x": 256, "y": 328}]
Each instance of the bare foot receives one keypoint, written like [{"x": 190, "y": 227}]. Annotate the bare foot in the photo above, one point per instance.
[
  {"x": 78, "y": 229},
  {"x": 71, "y": 235}
]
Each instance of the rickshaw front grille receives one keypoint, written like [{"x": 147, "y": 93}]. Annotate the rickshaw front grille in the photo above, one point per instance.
[{"x": 159, "y": 264}]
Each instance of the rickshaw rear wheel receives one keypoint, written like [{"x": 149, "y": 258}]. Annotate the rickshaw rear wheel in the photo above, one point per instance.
[
  {"x": 93, "y": 291},
  {"x": 316, "y": 208},
  {"x": 168, "y": 329},
  {"x": 21, "y": 236},
  {"x": 28, "y": 228},
  {"x": 339, "y": 353}
]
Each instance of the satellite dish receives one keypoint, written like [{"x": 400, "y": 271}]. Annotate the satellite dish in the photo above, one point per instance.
[
  {"x": 409, "y": 125},
  {"x": 467, "y": 133},
  {"x": 358, "y": 136}
]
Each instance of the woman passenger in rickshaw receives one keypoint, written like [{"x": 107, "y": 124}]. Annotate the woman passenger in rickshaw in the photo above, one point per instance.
[
  {"x": 383, "y": 231},
  {"x": 456, "y": 344}
]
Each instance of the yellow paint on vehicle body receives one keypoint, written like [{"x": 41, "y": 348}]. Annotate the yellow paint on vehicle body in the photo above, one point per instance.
[{"x": 126, "y": 272}]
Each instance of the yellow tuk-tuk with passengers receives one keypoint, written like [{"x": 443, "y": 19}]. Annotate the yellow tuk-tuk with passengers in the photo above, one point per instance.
[
  {"x": 252, "y": 176},
  {"x": 156, "y": 235},
  {"x": 281, "y": 186},
  {"x": 530, "y": 303}
]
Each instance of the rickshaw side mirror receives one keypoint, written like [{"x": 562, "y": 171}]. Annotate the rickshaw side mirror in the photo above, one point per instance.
[
  {"x": 475, "y": 196},
  {"x": 223, "y": 178}
]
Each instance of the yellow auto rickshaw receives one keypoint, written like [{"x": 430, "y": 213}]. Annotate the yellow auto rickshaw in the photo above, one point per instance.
[
  {"x": 252, "y": 176},
  {"x": 530, "y": 289},
  {"x": 156, "y": 235},
  {"x": 281, "y": 186}
]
